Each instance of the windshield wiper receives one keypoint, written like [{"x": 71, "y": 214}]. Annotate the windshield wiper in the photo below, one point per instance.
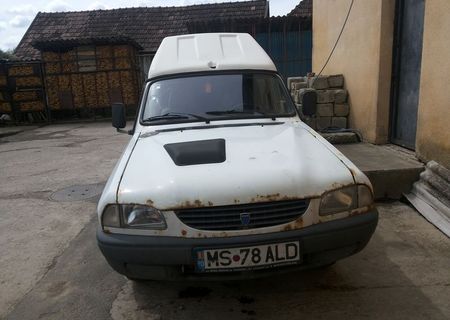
[
  {"x": 234, "y": 111},
  {"x": 175, "y": 115}
]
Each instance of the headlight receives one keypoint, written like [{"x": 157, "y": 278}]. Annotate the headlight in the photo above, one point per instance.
[
  {"x": 137, "y": 216},
  {"x": 133, "y": 216},
  {"x": 345, "y": 199},
  {"x": 111, "y": 216}
]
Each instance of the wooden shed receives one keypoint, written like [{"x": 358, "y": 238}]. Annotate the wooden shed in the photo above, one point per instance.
[
  {"x": 91, "y": 59},
  {"x": 88, "y": 75}
]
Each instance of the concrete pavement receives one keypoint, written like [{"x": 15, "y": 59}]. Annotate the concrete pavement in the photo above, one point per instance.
[
  {"x": 51, "y": 267},
  {"x": 34, "y": 231},
  {"x": 6, "y": 131}
]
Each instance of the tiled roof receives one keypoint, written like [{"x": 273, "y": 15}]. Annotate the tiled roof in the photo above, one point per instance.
[
  {"x": 146, "y": 26},
  {"x": 303, "y": 9}
]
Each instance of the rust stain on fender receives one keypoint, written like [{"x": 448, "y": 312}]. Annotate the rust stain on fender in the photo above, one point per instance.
[
  {"x": 352, "y": 172},
  {"x": 183, "y": 232},
  {"x": 335, "y": 186},
  {"x": 297, "y": 224},
  {"x": 361, "y": 210}
]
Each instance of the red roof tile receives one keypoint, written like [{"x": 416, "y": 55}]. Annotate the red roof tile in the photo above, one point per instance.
[
  {"x": 303, "y": 9},
  {"x": 146, "y": 26}
]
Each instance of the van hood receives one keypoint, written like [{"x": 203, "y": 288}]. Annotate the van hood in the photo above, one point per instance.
[{"x": 260, "y": 163}]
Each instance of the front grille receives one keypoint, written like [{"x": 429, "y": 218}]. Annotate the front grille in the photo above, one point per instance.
[{"x": 235, "y": 217}]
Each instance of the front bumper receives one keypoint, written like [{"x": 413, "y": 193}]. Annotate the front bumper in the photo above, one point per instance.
[{"x": 155, "y": 257}]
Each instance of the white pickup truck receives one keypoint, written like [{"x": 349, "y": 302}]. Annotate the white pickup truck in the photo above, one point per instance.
[{"x": 221, "y": 178}]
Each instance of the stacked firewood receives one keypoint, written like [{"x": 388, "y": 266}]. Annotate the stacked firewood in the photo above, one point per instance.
[{"x": 91, "y": 77}]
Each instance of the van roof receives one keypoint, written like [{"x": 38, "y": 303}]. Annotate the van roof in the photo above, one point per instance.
[{"x": 209, "y": 52}]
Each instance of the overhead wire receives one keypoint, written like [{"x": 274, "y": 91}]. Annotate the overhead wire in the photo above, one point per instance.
[{"x": 336, "y": 43}]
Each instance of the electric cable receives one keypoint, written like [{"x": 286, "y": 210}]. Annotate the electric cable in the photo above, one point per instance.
[
  {"x": 331, "y": 129},
  {"x": 335, "y": 44}
]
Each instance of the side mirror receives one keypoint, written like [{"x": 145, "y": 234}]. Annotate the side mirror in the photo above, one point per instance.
[
  {"x": 309, "y": 103},
  {"x": 119, "y": 120}
]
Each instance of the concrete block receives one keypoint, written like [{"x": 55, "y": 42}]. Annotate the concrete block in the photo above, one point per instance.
[
  {"x": 323, "y": 122},
  {"x": 341, "y": 110},
  {"x": 319, "y": 83},
  {"x": 340, "y": 96},
  {"x": 294, "y": 94},
  {"x": 340, "y": 122},
  {"x": 336, "y": 81},
  {"x": 292, "y": 80},
  {"x": 325, "y": 110},
  {"x": 299, "y": 85},
  {"x": 325, "y": 96}
]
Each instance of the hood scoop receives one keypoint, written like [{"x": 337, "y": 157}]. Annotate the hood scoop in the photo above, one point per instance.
[{"x": 197, "y": 152}]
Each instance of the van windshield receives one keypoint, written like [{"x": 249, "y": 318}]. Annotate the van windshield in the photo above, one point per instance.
[{"x": 217, "y": 96}]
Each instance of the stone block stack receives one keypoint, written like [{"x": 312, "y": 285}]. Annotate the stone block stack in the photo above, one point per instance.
[{"x": 332, "y": 106}]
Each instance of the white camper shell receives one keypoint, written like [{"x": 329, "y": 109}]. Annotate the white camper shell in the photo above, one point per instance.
[
  {"x": 221, "y": 175},
  {"x": 208, "y": 52}
]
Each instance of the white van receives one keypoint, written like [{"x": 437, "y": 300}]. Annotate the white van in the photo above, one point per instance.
[{"x": 221, "y": 178}]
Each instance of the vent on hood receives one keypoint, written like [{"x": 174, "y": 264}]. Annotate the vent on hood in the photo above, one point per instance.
[{"x": 197, "y": 152}]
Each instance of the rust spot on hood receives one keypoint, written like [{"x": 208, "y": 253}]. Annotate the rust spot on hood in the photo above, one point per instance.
[
  {"x": 273, "y": 197},
  {"x": 187, "y": 204},
  {"x": 150, "y": 203},
  {"x": 191, "y": 204}
]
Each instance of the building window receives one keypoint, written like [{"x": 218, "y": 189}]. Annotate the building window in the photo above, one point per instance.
[{"x": 86, "y": 59}]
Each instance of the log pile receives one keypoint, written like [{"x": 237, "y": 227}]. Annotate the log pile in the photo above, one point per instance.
[
  {"x": 94, "y": 77},
  {"x": 5, "y": 103},
  {"x": 20, "y": 70},
  {"x": 21, "y": 87},
  {"x": 31, "y": 81}
]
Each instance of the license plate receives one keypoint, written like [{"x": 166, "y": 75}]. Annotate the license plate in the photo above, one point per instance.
[{"x": 254, "y": 257}]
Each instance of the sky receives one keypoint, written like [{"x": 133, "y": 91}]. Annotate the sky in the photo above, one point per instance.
[{"x": 17, "y": 16}]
